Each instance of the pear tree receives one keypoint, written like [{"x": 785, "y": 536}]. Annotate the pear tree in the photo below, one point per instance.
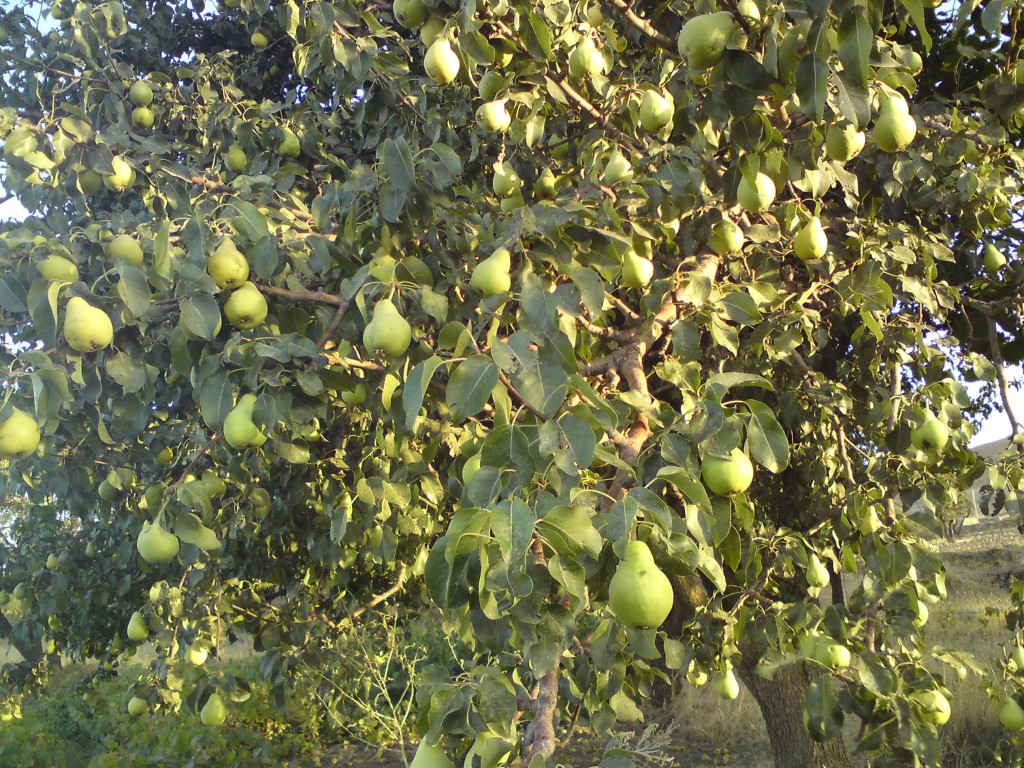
[{"x": 632, "y": 338}]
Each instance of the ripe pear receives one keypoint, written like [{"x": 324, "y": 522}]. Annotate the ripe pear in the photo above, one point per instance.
[
  {"x": 430, "y": 756},
  {"x": 140, "y": 94},
  {"x": 90, "y": 549},
  {"x": 289, "y": 145},
  {"x": 197, "y": 655},
  {"x": 506, "y": 181},
  {"x": 494, "y": 117},
  {"x": 410, "y": 13},
  {"x": 58, "y": 268},
  {"x": 137, "y": 706},
  {"x": 655, "y": 110},
  {"x": 843, "y": 142},
  {"x": 155, "y": 544},
  {"x": 1011, "y": 715},
  {"x": 227, "y": 266},
  {"x": 832, "y": 654},
  {"x": 702, "y": 39},
  {"x": 586, "y": 60},
  {"x": 617, "y": 168},
  {"x": 726, "y": 237},
  {"x": 727, "y": 476},
  {"x": 235, "y": 159},
  {"x": 143, "y": 117},
  {"x": 640, "y": 594},
  {"x": 90, "y": 182},
  {"x": 493, "y": 275},
  {"x": 441, "y": 63},
  {"x": 431, "y": 30},
  {"x": 934, "y": 707},
  {"x": 546, "y": 186},
  {"x": 727, "y": 686},
  {"x": 239, "y": 429},
  {"x": 125, "y": 247},
  {"x": 637, "y": 271},
  {"x": 19, "y": 435},
  {"x": 137, "y": 629},
  {"x": 491, "y": 84},
  {"x": 213, "y": 712},
  {"x": 931, "y": 434},
  {"x": 994, "y": 259},
  {"x": 259, "y": 40},
  {"x": 816, "y": 574},
  {"x": 470, "y": 468},
  {"x": 894, "y": 128},
  {"x": 86, "y": 328},
  {"x": 387, "y": 332},
  {"x": 246, "y": 308},
  {"x": 122, "y": 177},
  {"x": 757, "y": 196},
  {"x": 811, "y": 242}
]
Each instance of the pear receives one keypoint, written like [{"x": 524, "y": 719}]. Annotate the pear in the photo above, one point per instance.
[
  {"x": 506, "y": 181},
  {"x": 1011, "y": 715},
  {"x": 811, "y": 242},
  {"x": 816, "y": 574},
  {"x": 86, "y": 328},
  {"x": 756, "y": 196},
  {"x": 155, "y": 544},
  {"x": 20, "y": 592},
  {"x": 235, "y": 159},
  {"x": 239, "y": 429},
  {"x": 748, "y": 9},
  {"x": 617, "y": 168},
  {"x": 933, "y": 707},
  {"x": 726, "y": 237},
  {"x": 4, "y": 598},
  {"x": 143, "y": 117},
  {"x": 259, "y": 40},
  {"x": 586, "y": 60},
  {"x": 387, "y": 332},
  {"x": 213, "y": 712},
  {"x": 125, "y": 247},
  {"x": 894, "y": 128},
  {"x": 410, "y": 13},
  {"x": 869, "y": 522},
  {"x": 90, "y": 549},
  {"x": 844, "y": 142},
  {"x": 702, "y": 39},
  {"x": 137, "y": 706},
  {"x": 639, "y": 594},
  {"x": 994, "y": 259},
  {"x": 140, "y": 94},
  {"x": 356, "y": 395},
  {"x": 726, "y": 476},
  {"x": 213, "y": 484},
  {"x": 655, "y": 110},
  {"x": 832, "y": 654},
  {"x": 431, "y": 30},
  {"x": 137, "y": 629},
  {"x": 931, "y": 434},
  {"x": 430, "y": 756},
  {"x": 227, "y": 266},
  {"x": 58, "y": 268},
  {"x": 52, "y": 561},
  {"x": 19, "y": 435},
  {"x": 491, "y": 84},
  {"x": 493, "y": 117},
  {"x": 441, "y": 62},
  {"x": 637, "y": 271},
  {"x": 595, "y": 16},
  {"x": 90, "y": 182},
  {"x": 493, "y": 275},
  {"x": 546, "y": 186},
  {"x": 727, "y": 686},
  {"x": 197, "y": 655},
  {"x": 246, "y": 308},
  {"x": 289, "y": 145},
  {"x": 470, "y": 468},
  {"x": 122, "y": 177}
]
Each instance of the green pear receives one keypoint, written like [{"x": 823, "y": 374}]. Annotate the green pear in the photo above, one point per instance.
[
  {"x": 155, "y": 544},
  {"x": 410, "y": 13},
  {"x": 5, "y": 598},
  {"x": 727, "y": 686},
  {"x": 816, "y": 574},
  {"x": 140, "y": 94},
  {"x": 137, "y": 706},
  {"x": 595, "y": 16},
  {"x": 58, "y": 268},
  {"x": 19, "y": 435},
  {"x": 748, "y": 9},
  {"x": 1011, "y": 715},
  {"x": 143, "y": 117},
  {"x": 197, "y": 655},
  {"x": 213, "y": 712},
  {"x": 227, "y": 266},
  {"x": 758, "y": 195},
  {"x": 239, "y": 429},
  {"x": 441, "y": 62},
  {"x": 491, "y": 84},
  {"x": 932, "y": 706},
  {"x": 546, "y": 186},
  {"x": 617, "y": 168},
  {"x": 843, "y": 142},
  {"x": 726, "y": 237},
  {"x": 125, "y": 247},
  {"x": 86, "y": 328},
  {"x": 494, "y": 117},
  {"x": 637, "y": 271},
  {"x": 640, "y": 594},
  {"x": 387, "y": 332},
  {"x": 1017, "y": 659},
  {"x": 869, "y": 522},
  {"x": 493, "y": 275},
  {"x": 832, "y": 654},
  {"x": 506, "y": 181},
  {"x": 90, "y": 182},
  {"x": 994, "y": 259},
  {"x": 430, "y": 756},
  {"x": 235, "y": 159},
  {"x": 90, "y": 549},
  {"x": 726, "y": 476},
  {"x": 470, "y": 468},
  {"x": 356, "y": 395},
  {"x": 431, "y": 30},
  {"x": 213, "y": 483},
  {"x": 246, "y": 308},
  {"x": 20, "y": 592},
  {"x": 52, "y": 561},
  {"x": 894, "y": 129},
  {"x": 137, "y": 629},
  {"x": 259, "y": 40},
  {"x": 586, "y": 60},
  {"x": 122, "y": 177},
  {"x": 930, "y": 435},
  {"x": 289, "y": 145},
  {"x": 656, "y": 109},
  {"x": 702, "y": 39},
  {"x": 811, "y": 242}
]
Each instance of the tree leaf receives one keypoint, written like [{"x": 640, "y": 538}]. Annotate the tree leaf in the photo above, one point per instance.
[
  {"x": 470, "y": 385},
  {"x": 766, "y": 439}
]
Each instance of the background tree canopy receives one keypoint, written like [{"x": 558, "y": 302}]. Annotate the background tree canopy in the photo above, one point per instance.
[{"x": 336, "y": 303}]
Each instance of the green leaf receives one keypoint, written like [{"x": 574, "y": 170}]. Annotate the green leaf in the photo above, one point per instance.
[
  {"x": 200, "y": 314},
  {"x": 470, "y": 385},
  {"x": 133, "y": 289},
  {"x": 416, "y": 388},
  {"x": 568, "y": 530},
  {"x": 191, "y": 530},
  {"x": 856, "y": 41},
  {"x": 249, "y": 223},
  {"x": 812, "y": 85},
  {"x": 766, "y": 439},
  {"x": 215, "y": 400},
  {"x": 916, "y": 10}
]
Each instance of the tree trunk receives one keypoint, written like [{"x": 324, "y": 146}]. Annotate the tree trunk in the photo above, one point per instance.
[{"x": 781, "y": 700}]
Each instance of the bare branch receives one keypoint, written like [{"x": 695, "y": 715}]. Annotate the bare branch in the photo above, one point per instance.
[{"x": 642, "y": 25}]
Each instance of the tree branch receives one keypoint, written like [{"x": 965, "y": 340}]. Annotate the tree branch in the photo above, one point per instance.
[
  {"x": 378, "y": 599},
  {"x": 644, "y": 26}
]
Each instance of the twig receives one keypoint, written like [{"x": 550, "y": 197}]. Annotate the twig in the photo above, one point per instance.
[
  {"x": 378, "y": 599},
  {"x": 644, "y": 26}
]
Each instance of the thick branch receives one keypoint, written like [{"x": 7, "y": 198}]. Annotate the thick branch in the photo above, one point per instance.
[
  {"x": 378, "y": 599},
  {"x": 583, "y": 104},
  {"x": 644, "y": 26},
  {"x": 540, "y": 735},
  {"x": 1000, "y": 366}
]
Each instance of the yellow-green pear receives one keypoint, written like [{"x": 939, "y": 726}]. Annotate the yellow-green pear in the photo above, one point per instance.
[
  {"x": 617, "y": 168},
  {"x": 895, "y": 128},
  {"x": 165, "y": 457},
  {"x": 90, "y": 182},
  {"x": 702, "y": 39},
  {"x": 259, "y": 40},
  {"x": 586, "y": 60},
  {"x": 656, "y": 109},
  {"x": 494, "y": 117},
  {"x": 246, "y": 308},
  {"x": 52, "y": 561},
  {"x": 58, "y": 268},
  {"x": 843, "y": 142},
  {"x": 994, "y": 259},
  {"x": 1017, "y": 659},
  {"x": 235, "y": 159},
  {"x": 356, "y": 395},
  {"x": 140, "y": 94},
  {"x": 816, "y": 574},
  {"x": 240, "y": 431},
  {"x": 726, "y": 237},
  {"x": 387, "y": 332},
  {"x": 832, "y": 654},
  {"x": 86, "y": 328},
  {"x": 213, "y": 712},
  {"x": 757, "y": 195},
  {"x": 491, "y": 84},
  {"x": 155, "y": 544},
  {"x": 930, "y": 435},
  {"x": 470, "y": 468},
  {"x": 227, "y": 266},
  {"x": 431, "y": 30},
  {"x": 125, "y": 247},
  {"x": 289, "y": 145},
  {"x": 19, "y": 435},
  {"x": 748, "y": 9},
  {"x": 20, "y": 592},
  {"x": 197, "y": 655},
  {"x": 143, "y": 117},
  {"x": 90, "y": 549},
  {"x": 506, "y": 181},
  {"x": 933, "y": 707},
  {"x": 137, "y": 629},
  {"x": 137, "y": 706},
  {"x": 410, "y": 13},
  {"x": 493, "y": 275},
  {"x": 430, "y": 756},
  {"x": 1011, "y": 715},
  {"x": 640, "y": 594},
  {"x": 637, "y": 271},
  {"x": 122, "y": 177},
  {"x": 811, "y": 242},
  {"x": 441, "y": 62},
  {"x": 727, "y": 686},
  {"x": 726, "y": 476},
  {"x": 546, "y": 186}
]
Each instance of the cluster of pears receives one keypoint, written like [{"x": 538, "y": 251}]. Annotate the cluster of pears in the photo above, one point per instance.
[
  {"x": 640, "y": 594},
  {"x": 895, "y": 128},
  {"x": 387, "y": 333},
  {"x": 87, "y": 328},
  {"x": 727, "y": 475},
  {"x": 19, "y": 435},
  {"x": 141, "y": 95}
]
